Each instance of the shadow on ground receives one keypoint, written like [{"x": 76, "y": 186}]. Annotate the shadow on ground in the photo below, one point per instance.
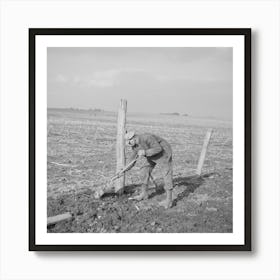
[{"x": 191, "y": 183}]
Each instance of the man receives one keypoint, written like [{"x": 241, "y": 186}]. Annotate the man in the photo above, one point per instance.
[{"x": 156, "y": 151}]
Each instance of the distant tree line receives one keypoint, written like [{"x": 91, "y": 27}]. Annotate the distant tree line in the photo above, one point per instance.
[
  {"x": 174, "y": 114},
  {"x": 71, "y": 109}
]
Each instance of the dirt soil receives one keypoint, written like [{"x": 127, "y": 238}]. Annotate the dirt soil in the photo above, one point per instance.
[{"x": 199, "y": 206}]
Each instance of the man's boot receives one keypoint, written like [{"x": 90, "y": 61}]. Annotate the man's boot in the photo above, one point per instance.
[
  {"x": 167, "y": 203},
  {"x": 144, "y": 193}
]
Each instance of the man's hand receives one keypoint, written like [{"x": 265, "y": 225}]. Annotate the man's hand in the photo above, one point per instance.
[{"x": 141, "y": 153}]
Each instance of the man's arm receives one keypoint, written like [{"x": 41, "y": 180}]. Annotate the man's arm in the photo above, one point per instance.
[{"x": 155, "y": 147}]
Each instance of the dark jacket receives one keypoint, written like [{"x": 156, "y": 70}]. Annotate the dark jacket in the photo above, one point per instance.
[{"x": 156, "y": 148}]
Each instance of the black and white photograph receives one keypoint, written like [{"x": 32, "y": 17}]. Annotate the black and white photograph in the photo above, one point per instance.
[
  {"x": 126, "y": 129},
  {"x": 141, "y": 134}
]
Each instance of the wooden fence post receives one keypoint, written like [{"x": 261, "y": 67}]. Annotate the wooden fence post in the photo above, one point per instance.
[
  {"x": 203, "y": 152},
  {"x": 59, "y": 218},
  {"x": 120, "y": 149}
]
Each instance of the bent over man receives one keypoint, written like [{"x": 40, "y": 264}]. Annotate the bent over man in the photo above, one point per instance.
[{"x": 156, "y": 150}]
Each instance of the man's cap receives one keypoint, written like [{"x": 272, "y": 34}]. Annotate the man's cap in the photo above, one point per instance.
[{"x": 129, "y": 135}]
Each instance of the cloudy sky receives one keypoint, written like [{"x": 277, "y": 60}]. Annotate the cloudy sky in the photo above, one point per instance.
[{"x": 196, "y": 81}]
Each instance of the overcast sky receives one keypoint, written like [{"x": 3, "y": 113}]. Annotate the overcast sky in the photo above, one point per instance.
[{"x": 196, "y": 81}]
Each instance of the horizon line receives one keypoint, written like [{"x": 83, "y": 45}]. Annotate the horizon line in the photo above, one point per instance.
[{"x": 143, "y": 113}]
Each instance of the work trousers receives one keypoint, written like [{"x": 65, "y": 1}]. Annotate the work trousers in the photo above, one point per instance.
[{"x": 165, "y": 168}]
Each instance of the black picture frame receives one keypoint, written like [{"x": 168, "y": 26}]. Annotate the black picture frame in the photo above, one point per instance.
[{"x": 246, "y": 32}]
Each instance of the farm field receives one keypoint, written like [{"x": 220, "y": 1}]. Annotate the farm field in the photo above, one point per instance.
[{"x": 81, "y": 158}]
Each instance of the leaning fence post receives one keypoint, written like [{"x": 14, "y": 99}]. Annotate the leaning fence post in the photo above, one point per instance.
[
  {"x": 120, "y": 149},
  {"x": 203, "y": 152}
]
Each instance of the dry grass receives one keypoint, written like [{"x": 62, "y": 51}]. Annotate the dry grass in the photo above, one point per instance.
[{"x": 81, "y": 157}]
